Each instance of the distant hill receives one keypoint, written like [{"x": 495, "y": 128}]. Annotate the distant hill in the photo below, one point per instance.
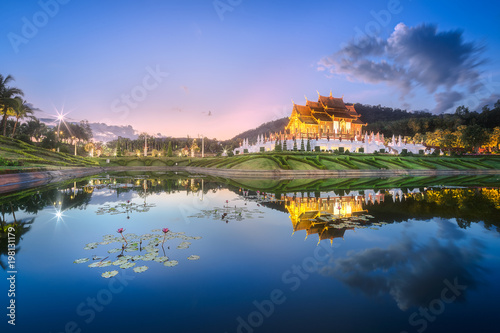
[
  {"x": 266, "y": 128},
  {"x": 391, "y": 121},
  {"x": 105, "y": 133}
]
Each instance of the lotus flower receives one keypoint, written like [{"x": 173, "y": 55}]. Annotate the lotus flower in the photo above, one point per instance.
[
  {"x": 165, "y": 230},
  {"x": 120, "y": 231}
]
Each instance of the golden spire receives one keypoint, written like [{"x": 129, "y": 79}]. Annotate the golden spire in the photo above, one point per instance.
[
  {"x": 331, "y": 95},
  {"x": 305, "y": 97},
  {"x": 293, "y": 102},
  {"x": 319, "y": 95}
]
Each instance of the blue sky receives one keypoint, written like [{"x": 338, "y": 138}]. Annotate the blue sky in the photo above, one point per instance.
[{"x": 164, "y": 66}]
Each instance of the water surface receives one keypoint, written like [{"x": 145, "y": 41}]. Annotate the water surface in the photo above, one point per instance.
[{"x": 351, "y": 256}]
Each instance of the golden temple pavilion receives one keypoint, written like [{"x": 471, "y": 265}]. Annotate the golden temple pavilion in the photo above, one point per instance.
[
  {"x": 329, "y": 117},
  {"x": 318, "y": 215}
]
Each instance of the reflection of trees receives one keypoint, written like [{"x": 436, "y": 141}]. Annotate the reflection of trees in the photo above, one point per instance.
[
  {"x": 467, "y": 205},
  {"x": 70, "y": 195},
  {"x": 21, "y": 227},
  {"x": 31, "y": 202}
]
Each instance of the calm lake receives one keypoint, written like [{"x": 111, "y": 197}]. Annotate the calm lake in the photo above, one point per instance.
[{"x": 337, "y": 255}]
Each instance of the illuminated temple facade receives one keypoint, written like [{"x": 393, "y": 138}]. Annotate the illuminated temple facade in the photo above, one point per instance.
[
  {"x": 329, "y": 117},
  {"x": 326, "y": 126}
]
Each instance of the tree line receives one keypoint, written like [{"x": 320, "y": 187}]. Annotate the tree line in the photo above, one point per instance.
[
  {"x": 463, "y": 130},
  {"x": 19, "y": 122}
]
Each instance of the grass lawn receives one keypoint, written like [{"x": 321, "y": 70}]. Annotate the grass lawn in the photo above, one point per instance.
[
  {"x": 257, "y": 164},
  {"x": 18, "y": 155}
]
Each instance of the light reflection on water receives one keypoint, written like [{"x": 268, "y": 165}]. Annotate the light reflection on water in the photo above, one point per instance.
[{"x": 270, "y": 258}]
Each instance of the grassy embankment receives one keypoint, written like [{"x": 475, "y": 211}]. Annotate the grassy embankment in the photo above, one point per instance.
[
  {"x": 17, "y": 155},
  {"x": 311, "y": 161}
]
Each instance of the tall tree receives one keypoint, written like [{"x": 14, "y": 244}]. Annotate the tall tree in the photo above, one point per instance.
[
  {"x": 7, "y": 101},
  {"x": 21, "y": 110},
  {"x": 169, "y": 151},
  {"x": 474, "y": 136}
]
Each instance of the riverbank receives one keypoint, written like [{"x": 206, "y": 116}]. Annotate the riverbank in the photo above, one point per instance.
[{"x": 21, "y": 181}]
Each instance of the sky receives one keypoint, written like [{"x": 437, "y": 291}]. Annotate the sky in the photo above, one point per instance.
[{"x": 218, "y": 68}]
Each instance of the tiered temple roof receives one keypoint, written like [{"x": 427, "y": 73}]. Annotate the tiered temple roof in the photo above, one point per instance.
[{"x": 325, "y": 110}]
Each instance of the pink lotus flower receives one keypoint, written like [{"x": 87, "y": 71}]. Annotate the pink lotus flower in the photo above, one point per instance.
[
  {"x": 165, "y": 230},
  {"x": 120, "y": 231}
]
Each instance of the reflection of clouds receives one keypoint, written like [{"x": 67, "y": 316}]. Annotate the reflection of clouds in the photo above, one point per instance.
[
  {"x": 449, "y": 230},
  {"x": 411, "y": 273}
]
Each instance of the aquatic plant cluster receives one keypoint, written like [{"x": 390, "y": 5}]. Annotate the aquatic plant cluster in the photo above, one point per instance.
[
  {"x": 124, "y": 208},
  {"x": 227, "y": 213},
  {"x": 148, "y": 247}
]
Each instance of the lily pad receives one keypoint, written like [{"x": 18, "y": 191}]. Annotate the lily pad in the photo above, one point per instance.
[
  {"x": 108, "y": 275},
  {"x": 105, "y": 263},
  {"x": 119, "y": 262},
  {"x": 114, "y": 250},
  {"x": 131, "y": 249},
  {"x": 160, "y": 259},
  {"x": 193, "y": 257},
  {"x": 184, "y": 245},
  {"x": 100, "y": 263},
  {"x": 81, "y": 261},
  {"x": 141, "y": 269},
  {"x": 171, "y": 263},
  {"x": 127, "y": 265}
]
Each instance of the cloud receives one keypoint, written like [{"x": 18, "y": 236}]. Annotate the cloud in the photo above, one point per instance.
[
  {"x": 412, "y": 57},
  {"x": 450, "y": 230},
  {"x": 446, "y": 100},
  {"x": 410, "y": 273}
]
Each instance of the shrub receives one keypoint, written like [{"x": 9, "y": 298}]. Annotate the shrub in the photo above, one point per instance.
[
  {"x": 317, "y": 149},
  {"x": 262, "y": 149},
  {"x": 341, "y": 149},
  {"x": 361, "y": 150}
]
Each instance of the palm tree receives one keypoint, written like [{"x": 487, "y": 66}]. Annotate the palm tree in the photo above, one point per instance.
[
  {"x": 34, "y": 128},
  {"x": 7, "y": 95},
  {"x": 21, "y": 109}
]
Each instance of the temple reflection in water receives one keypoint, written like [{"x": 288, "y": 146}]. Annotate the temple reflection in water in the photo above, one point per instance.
[{"x": 330, "y": 215}]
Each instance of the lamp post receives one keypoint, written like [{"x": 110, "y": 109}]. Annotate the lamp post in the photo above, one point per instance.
[
  {"x": 202, "y": 145},
  {"x": 74, "y": 141},
  {"x": 60, "y": 118}
]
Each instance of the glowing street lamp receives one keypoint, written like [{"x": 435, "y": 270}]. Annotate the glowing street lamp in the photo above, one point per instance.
[{"x": 60, "y": 118}]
